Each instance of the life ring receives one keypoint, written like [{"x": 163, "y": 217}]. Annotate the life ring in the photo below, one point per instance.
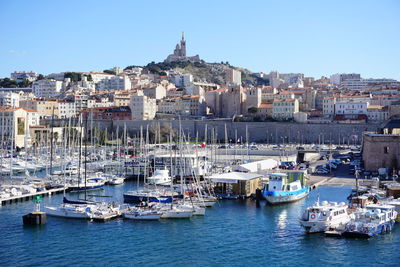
[
  {"x": 312, "y": 216},
  {"x": 330, "y": 218}
]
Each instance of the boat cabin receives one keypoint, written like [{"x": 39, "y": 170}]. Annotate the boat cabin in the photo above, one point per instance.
[{"x": 278, "y": 182}]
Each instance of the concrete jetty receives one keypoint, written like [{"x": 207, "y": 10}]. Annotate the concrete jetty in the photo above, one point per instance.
[{"x": 26, "y": 197}]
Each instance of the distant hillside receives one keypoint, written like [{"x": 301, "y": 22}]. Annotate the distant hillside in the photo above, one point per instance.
[{"x": 203, "y": 71}]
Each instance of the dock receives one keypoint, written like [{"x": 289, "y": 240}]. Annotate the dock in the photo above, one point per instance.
[{"x": 27, "y": 197}]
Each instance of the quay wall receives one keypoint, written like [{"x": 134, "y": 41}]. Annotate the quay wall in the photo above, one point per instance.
[{"x": 268, "y": 132}]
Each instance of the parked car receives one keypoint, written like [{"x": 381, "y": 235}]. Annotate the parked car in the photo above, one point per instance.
[{"x": 322, "y": 171}]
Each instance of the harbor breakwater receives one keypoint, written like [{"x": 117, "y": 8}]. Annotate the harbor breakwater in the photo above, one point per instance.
[{"x": 267, "y": 132}]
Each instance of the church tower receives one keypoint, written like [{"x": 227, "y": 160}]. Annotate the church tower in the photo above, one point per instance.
[{"x": 183, "y": 46}]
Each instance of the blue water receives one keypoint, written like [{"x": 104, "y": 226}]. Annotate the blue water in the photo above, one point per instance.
[{"x": 235, "y": 233}]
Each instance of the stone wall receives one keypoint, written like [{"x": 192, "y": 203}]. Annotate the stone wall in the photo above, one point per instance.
[
  {"x": 381, "y": 151},
  {"x": 268, "y": 132}
]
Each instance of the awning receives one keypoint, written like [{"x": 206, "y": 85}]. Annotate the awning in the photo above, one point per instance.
[{"x": 233, "y": 177}]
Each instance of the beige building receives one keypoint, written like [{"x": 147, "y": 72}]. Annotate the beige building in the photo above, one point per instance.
[
  {"x": 122, "y": 99},
  {"x": 45, "y": 108},
  {"x": 15, "y": 123},
  {"x": 253, "y": 98},
  {"x": 381, "y": 151},
  {"x": 142, "y": 107},
  {"x": 233, "y": 77},
  {"x": 284, "y": 109}
]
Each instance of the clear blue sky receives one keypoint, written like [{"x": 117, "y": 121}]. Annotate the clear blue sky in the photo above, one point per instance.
[{"x": 313, "y": 37}]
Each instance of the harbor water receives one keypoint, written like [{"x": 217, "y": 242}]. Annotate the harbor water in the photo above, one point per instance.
[{"x": 234, "y": 233}]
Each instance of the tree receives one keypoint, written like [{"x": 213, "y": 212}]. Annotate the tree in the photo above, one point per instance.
[
  {"x": 74, "y": 76},
  {"x": 110, "y": 72},
  {"x": 253, "y": 110},
  {"x": 40, "y": 77}
]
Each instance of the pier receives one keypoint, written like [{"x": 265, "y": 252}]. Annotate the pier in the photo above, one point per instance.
[{"x": 27, "y": 197}]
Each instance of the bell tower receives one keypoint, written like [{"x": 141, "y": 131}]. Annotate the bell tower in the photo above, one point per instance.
[{"x": 183, "y": 46}]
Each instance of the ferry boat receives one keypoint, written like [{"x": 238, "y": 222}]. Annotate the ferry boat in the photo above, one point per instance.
[
  {"x": 279, "y": 191},
  {"x": 373, "y": 220},
  {"x": 325, "y": 216}
]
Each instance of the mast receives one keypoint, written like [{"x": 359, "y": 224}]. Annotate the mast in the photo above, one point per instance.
[
  {"x": 51, "y": 141},
  {"x": 80, "y": 149},
  {"x": 86, "y": 137}
]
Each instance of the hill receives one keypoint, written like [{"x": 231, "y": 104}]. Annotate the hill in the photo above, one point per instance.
[{"x": 203, "y": 71}]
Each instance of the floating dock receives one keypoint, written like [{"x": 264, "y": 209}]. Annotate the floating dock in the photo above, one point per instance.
[{"x": 26, "y": 197}]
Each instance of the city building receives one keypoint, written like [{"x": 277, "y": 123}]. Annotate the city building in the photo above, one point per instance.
[
  {"x": 183, "y": 80},
  {"x": 351, "y": 107},
  {"x": 15, "y": 123},
  {"x": 142, "y": 107},
  {"x": 114, "y": 83},
  {"x": 382, "y": 150},
  {"x": 46, "y": 108},
  {"x": 339, "y": 78},
  {"x": 108, "y": 113},
  {"x": 46, "y": 88},
  {"x": 377, "y": 113},
  {"x": 284, "y": 109},
  {"x": 9, "y": 99},
  {"x": 233, "y": 77},
  {"x": 20, "y": 76}
]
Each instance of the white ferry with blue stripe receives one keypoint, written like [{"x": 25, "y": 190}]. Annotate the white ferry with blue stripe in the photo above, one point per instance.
[{"x": 278, "y": 190}]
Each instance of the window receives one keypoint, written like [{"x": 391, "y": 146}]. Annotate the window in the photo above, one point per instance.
[{"x": 386, "y": 150}]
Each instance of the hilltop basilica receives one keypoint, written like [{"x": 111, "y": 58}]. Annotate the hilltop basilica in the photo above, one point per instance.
[{"x": 180, "y": 53}]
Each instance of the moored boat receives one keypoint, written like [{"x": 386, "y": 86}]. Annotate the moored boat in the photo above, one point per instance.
[
  {"x": 278, "y": 190},
  {"x": 325, "y": 216},
  {"x": 373, "y": 220}
]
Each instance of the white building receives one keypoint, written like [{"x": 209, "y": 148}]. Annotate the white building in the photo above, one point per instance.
[
  {"x": 59, "y": 76},
  {"x": 339, "y": 78},
  {"x": 66, "y": 109},
  {"x": 99, "y": 76},
  {"x": 46, "y": 88},
  {"x": 377, "y": 113},
  {"x": 233, "y": 77},
  {"x": 114, "y": 83},
  {"x": 20, "y": 76},
  {"x": 183, "y": 80},
  {"x": 9, "y": 99},
  {"x": 142, "y": 107},
  {"x": 351, "y": 107}
]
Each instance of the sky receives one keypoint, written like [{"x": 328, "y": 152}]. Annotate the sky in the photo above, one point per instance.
[{"x": 317, "y": 38}]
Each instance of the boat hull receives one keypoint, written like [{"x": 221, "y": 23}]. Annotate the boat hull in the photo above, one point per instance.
[
  {"x": 281, "y": 199},
  {"x": 66, "y": 213}
]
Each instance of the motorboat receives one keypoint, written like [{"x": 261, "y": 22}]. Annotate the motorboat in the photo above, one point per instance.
[
  {"x": 370, "y": 221},
  {"x": 160, "y": 177},
  {"x": 325, "y": 216},
  {"x": 278, "y": 190}
]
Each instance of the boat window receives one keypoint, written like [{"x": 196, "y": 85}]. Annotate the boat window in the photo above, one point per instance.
[{"x": 324, "y": 213}]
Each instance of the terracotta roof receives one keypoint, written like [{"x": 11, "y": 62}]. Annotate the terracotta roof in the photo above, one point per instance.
[
  {"x": 285, "y": 100},
  {"x": 266, "y": 106}
]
